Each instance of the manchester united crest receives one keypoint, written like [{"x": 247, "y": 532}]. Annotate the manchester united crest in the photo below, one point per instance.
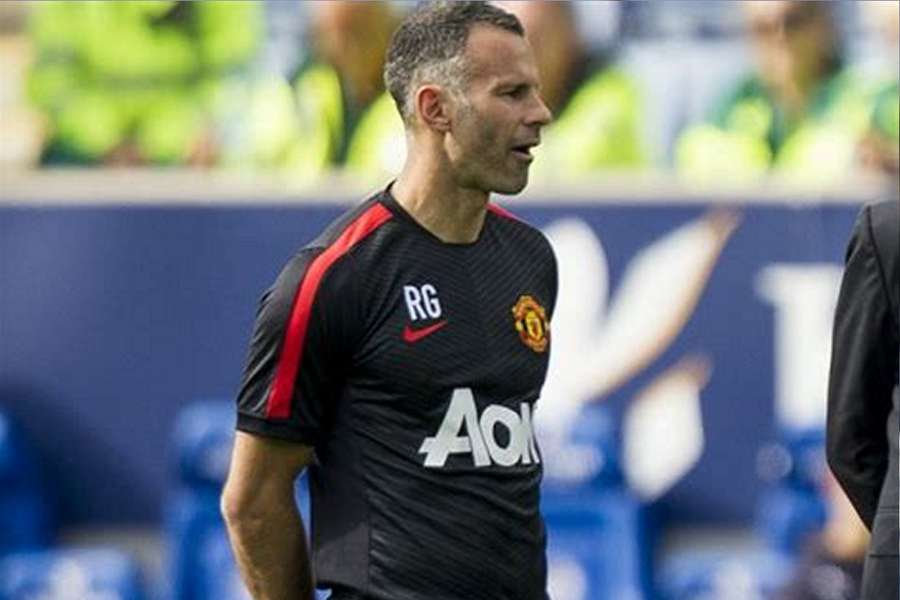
[{"x": 531, "y": 323}]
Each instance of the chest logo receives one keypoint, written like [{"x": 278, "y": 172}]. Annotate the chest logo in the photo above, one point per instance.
[
  {"x": 531, "y": 323},
  {"x": 422, "y": 302},
  {"x": 411, "y": 336}
]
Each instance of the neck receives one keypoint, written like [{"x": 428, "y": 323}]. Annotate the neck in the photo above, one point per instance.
[
  {"x": 796, "y": 94},
  {"x": 429, "y": 193}
]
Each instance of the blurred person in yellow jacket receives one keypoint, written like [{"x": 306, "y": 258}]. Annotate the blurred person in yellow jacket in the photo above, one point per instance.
[
  {"x": 136, "y": 82},
  {"x": 800, "y": 114},
  {"x": 597, "y": 107},
  {"x": 306, "y": 124}
]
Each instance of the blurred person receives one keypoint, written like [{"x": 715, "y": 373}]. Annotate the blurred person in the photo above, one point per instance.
[
  {"x": 136, "y": 82},
  {"x": 801, "y": 113},
  {"x": 831, "y": 565},
  {"x": 305, "y": 123},
  {"x": 880, "y": 148},
  {"x": 597, "y": 107},
  {"x": 22, "y": 125},
  {"x": 863, "y": 396},
  {"x": 399, "y": 356}
]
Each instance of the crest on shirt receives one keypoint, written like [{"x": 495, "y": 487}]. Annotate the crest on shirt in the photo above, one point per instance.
[{"x": 531, "y": 323}]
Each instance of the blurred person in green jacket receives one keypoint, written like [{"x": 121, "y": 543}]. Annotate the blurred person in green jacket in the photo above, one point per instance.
[
  {"x": 597, "y": 107},
  {"x": 307, "y": 124},
  {"x": 800, "y": 114},
  {"x": 137, "y": 82},
  {"x": 880, "y": 148}
]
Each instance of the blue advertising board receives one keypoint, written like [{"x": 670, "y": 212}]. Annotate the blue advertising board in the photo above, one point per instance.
[{"x": 112, "y": 318}]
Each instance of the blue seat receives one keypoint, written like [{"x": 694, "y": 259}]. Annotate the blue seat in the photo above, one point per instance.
[
  {"x": 200, "y": 563},
  {"x": 588, "y": 458},
  {"x": 86, "y": 574},
  {"x": 707, "y": 575},
  {"x": 792, "y": 508},
  {"x": 594, "y": 545},
  {"x": 787, "y": 517},
  {"x": 202, "y": 442},
  {"x": 25, "y": 509},
  {"x": 598, "y": 544},
  {"x": 789, "y": 510}
]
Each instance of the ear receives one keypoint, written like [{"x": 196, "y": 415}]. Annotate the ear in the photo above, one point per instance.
[{"x": 432, "y": 107}]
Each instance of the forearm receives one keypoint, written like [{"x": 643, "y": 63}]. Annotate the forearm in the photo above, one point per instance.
[{"x": 270, "y": 548}]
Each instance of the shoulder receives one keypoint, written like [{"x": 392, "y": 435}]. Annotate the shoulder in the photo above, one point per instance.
[
  {"x": 513, "y": 222},
  {"x": 882, "y": 221},
  {"x": 612, "y": 78},
  {"x": 877, "y": 235},
  {"x": 609, "y": 85},
  {"x": 884, "y": 217},
  {"x": 315, "y": 73},
  {"x": 328, "y": 253},
  {"x": 878, "y": 225},
  {"x": 352, "y": 227},
  {"x": 532, "y": 238}
]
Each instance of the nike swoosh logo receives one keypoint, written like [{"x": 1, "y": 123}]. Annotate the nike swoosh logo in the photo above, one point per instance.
[{"x": 411, "y": 336}]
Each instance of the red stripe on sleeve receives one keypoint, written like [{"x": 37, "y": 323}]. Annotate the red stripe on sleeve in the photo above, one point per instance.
[
  {"x": 278, "y": 405},
  {"x": 499, "y": 210}
]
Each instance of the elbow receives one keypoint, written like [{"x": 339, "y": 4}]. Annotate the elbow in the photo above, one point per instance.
[
  {"x": 229, "y": 507},
  {"x": 236, "y": 508},
  {"x": 247, "y": 508}
]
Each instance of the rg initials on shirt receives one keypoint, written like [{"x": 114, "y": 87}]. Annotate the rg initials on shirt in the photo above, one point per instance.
[
  {"x": 479, "y": 439},
  {"x": 422, "y": 302}
]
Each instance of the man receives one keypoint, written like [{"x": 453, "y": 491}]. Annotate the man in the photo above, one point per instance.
[
  {"x": 400, "y": 355},
  {"x": 800, "y": 114},
  {"x": 863, "y": 397}
]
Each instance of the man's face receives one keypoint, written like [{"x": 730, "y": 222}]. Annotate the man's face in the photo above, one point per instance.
[
  {"x": 499, "y": 117},
  {"x": 792, "y": 40}
]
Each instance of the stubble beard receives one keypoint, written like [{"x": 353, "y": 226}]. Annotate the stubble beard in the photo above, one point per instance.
[{"x": 487, "y": 165}]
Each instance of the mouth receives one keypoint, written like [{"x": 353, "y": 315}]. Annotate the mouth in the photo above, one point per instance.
[{"x": 523, "y": 151}]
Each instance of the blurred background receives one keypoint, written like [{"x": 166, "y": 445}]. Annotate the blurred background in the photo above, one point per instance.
[{"x": 161, "y": 160}]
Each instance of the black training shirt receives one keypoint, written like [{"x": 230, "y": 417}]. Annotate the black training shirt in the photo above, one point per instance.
[{"x": 413, "y": 367}]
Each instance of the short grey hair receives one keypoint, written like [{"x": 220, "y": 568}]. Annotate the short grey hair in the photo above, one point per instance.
[{"x": 429, "y": 46}]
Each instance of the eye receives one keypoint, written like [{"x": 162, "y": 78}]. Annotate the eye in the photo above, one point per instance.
[{"x": 516, "y": 92}]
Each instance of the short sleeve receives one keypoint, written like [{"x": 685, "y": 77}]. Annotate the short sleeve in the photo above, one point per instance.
[{"x": 300, "y": 351}]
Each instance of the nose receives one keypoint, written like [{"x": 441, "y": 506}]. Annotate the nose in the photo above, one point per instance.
[{"x": 539, "y": 113}]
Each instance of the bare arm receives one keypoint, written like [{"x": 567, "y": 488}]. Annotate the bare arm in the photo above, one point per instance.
[{"x": 260, "y": 512}]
